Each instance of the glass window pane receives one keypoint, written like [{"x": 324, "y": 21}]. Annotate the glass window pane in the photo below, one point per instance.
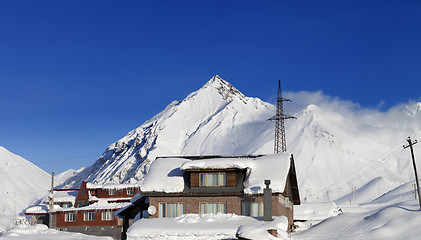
[
  {"x": 162, "y": 210},
  {"x": 107, "y": 216},
  {"x": 171, "y": 209},
  {"x": 212, "y": 207},
  {"x": 212, "y": 179},
  {"x": 202, "y": 179},
  {"x": 223, "y": 207},
  {"x": 254, "y": 209},
  {"x": 203, "y": 208},
  {"x": 245, "y": 209},
  {"x": 180, "y": 209},
  {"x": 222, "y": 179}
]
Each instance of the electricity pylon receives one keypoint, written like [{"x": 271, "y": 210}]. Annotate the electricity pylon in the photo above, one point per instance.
[{"x": 280, "y": 141}]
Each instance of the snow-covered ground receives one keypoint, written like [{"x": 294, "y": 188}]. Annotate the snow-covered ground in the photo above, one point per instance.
[
  {"x": 42, "y": 232},
  {"x": 22, "y": 184},
  {"x": 394, "y": 215}
]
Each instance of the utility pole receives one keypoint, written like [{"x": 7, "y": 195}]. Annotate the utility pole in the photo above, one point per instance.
[
  {"x": 280, "y": 141},
  {"x": 51, "y": 195},
  {"x": 410, "y": 144}
]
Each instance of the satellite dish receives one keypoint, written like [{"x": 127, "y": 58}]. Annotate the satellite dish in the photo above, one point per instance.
[{"x": 151, "y": 210}]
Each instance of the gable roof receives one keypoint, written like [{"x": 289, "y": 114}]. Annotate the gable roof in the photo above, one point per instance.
[{"x": 166, "y": 173}]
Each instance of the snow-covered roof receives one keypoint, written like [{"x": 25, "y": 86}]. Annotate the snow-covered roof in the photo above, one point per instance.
[
  {"x": 65, "y": 196},
  {"x": 39, "y": 209},
  {"x": 102, "y": 204},
  {"x": 112, "y": 186},
  {"x": 189, "y": 226},
  {"x": 166, "y": 174}
]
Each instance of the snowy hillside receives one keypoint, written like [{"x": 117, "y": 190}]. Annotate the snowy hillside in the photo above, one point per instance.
[
  {"x": 340, "y": 150},
  {"x": 22, "y": 184},
  {"x": 217, "y": 119}
]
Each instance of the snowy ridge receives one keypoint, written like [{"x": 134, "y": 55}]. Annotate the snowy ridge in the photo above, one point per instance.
[
  {"x": 22, "y": 184},
  {"x": 206, "y": 122},
  {"x": 337, "y": 151}
]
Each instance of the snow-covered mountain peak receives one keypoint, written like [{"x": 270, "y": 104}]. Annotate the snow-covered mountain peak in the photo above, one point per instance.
[
  {"x": 216, "y": 119},
  {"x": 225, "y": 89}
]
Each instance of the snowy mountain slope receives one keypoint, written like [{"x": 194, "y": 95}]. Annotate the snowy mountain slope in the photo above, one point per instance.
[
  {"x": 22, "y": 184},
  {"x": 337, "y": 150},
  {"x": 216, "y": 119},
  {"x": 337, "y": 154}
]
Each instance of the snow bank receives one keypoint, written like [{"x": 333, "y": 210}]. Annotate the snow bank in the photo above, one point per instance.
[
  {"x": 394, "y": 215},
  {"x": 166, "y": 175},
  {"x": 42, "y": 232},
  {"x": 259, "y": 230},
  {"x": 189, "y": 226}
]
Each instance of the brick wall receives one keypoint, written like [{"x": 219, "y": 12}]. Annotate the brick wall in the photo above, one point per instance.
[
  {"x": 80, "y": 222},
  {"x": 192, "y": 203}
]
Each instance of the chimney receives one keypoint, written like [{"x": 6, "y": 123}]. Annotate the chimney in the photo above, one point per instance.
[{"x": 267, "y": 202}]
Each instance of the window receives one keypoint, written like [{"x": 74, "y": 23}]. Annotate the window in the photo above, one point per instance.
[
  {"x": 107, "y": 216},
  {"x": 213, "y": 207},
  {"x": 252, "y": 209},
  {"x": 66, "y": 205},
  {"x": 287, "y": 202},
  {"x": 112, "y": 191},
  {"x": 93, "y": 192},
  {"x": 171, "y": 209},
  {"x": 212, "y": 179},
  {"x": 70, "y": 217},
  {"x": 89, "y": 216},
  {"x": 130, "y": 192}
]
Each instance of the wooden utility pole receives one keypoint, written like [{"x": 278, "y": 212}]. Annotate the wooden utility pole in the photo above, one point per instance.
[{"x": 410, "y": 143}]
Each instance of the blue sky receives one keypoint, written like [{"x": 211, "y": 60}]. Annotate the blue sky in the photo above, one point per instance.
[{"x": 76, "y": 76}]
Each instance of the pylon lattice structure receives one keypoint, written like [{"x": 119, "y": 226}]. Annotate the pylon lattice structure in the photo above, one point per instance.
[{"x": 280, "y": 140}]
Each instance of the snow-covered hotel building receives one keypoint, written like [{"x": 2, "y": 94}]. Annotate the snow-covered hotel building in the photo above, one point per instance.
[
  {"x": 88, "y": 210},
  {"x": 227, "y": 184}
]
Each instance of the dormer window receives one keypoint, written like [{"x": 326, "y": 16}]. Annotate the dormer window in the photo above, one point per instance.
[{"x": 212, "y": 179}]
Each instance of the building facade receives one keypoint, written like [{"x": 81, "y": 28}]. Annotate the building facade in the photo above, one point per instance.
[{"x": 225, "y": 184}]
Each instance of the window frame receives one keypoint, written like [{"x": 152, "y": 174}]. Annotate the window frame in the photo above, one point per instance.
[
  {"x": 160, "y": 214},
  {"x": 112, "y": 192},
  {"x": 206, "y": 179},
  {"x": 260, "y": 208},
  {"x": 66, "y": 205},
  {"x": 89, "y": 219},
  {"x": 67, "y": 217},
  {"x": 130, "y": 191},
  {"x": 107, "y": 214},
  {"x": 219, "y": 207}
]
